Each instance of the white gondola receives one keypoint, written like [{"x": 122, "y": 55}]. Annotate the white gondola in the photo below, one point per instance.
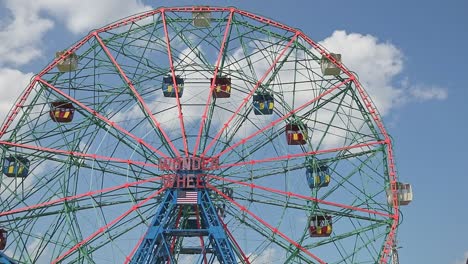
[
  {"x": 201, "y": 19},
  {"x": 70, "y": 63},
  {"x": 328, "y": 67},
  {"x": 404, "y": 194}
]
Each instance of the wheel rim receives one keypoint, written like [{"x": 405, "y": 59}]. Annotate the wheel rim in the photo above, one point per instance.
[{"x": 94, "y": 183}]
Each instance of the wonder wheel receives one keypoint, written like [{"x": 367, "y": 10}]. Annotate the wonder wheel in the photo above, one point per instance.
[{"x": 197, "y": 135}]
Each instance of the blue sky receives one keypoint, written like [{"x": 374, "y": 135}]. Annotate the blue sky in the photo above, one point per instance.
[{"x": 424, "y": 105}]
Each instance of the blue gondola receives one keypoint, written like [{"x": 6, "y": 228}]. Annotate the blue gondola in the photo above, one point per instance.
[
  {"x": 318, "y": 176},
  {"x": 169, "y": 89},
  {"x": 263, "y": 104},
  {"x": 16, "y": 166}
]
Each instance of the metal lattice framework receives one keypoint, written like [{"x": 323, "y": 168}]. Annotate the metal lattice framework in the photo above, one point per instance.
[{"x": 95, "y": 183}]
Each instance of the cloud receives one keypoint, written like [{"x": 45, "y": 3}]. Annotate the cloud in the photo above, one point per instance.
[
  {"x": 269, "y": 255},
  {"x": 378, "y": 65},
  {"x": 32, "y": 247},
  {"x": 428, "y": 93},
  {"x": 25, "y": 26},
  {"x": 464, "y": 260},
  {"x": 85, "y": 15},
  {"x": 21, "y": 33},
  {"x": 12, "y": 83}
]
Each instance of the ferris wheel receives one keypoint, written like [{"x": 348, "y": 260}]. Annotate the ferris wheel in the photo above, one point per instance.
[{"x": 197, "y": 135}]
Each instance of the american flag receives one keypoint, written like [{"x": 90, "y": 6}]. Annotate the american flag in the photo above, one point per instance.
[{"x": 187, "y": 197}]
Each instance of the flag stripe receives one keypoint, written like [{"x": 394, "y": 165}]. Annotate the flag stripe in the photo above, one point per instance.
[{"x": 186, "y": 197}]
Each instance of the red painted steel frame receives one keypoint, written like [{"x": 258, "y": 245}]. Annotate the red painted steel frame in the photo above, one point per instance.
[
  {"x": 297, "y": 155},
  {"x": 367, "y": 101},
  {"x": 17, "y": 107},
  {"x": 174, "y": 240},
  {"x": 246, "y": 259},
  {"x": 78, "y": 196},
  {"x": 128, "y": 258},
  {"x": 202, "y": 243},
  {"x": 79, "y": 154},
  {"x": 291, "y": 194}
]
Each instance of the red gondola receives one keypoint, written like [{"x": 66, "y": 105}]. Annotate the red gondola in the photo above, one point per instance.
[
  {"x": 3, "y": 239},
  {"x": 320, "y": 226},
  {"x": 222, "y": 87},
  {"x": 62, "y": 112},
  {"x": 296, "y": 135}
]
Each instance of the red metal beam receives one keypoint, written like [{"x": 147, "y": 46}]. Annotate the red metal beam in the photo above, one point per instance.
[
  {"x": 177, "y": 223},
  {"x": 298, "y": 155},
  {"x": 79, "y": 154},
  {"x": 135, "y": 248},
  {"x": 246, "y": 259},
  {"x": 202, "y": 242},
  {"x": 14, "y": 112},
  {"x": 78, "y": 196},
  {"x": 135, "y": 92},
  {"x": 176, "y": 86},
  {"x": 299, "y": 196},
  {"x": 215, "y": 75}
]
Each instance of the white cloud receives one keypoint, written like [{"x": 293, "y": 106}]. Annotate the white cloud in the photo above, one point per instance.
[
  {"x": 267, "y": 256},
  {"x": 85, "y": 15},
  {"x": 21, "y": 33},
  {"x": 464, "y": 260},
  {"x": 12, "y": 83},
  {"x": 428, "y": 93},
  {"x": 25, "y": 26},
  {"x": 377, "y": 65}
]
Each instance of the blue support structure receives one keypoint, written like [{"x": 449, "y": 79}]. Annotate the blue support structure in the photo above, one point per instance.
[
  {"x": 5, "y": 260},
  {"x": 155, "y": 247},
  {"x": 185, "y": 213}
]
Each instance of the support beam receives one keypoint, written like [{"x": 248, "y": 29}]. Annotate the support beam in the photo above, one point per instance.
[{"x": 199, "y": 218}]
